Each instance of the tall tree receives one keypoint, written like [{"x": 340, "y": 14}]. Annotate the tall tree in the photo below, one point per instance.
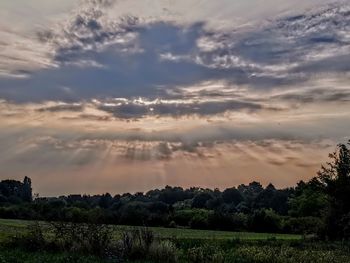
[
  {"x": 27, "y": 189},
  {"x": 335, "y": 177}
]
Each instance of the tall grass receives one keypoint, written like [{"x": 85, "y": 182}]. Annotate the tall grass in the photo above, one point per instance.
[
  {"x": 69, "y": 242},
  {"x": 95, "y": 239}
]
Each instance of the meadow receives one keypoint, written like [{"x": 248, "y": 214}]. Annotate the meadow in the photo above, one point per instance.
[
  {"x": 10, "y": 227},
  {"x": 165, "y": 245}
]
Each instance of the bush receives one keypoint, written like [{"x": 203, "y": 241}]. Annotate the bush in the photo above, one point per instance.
[
  {"x": 33, "y": 240},
  {"x": 226, "y": 221},
  {"x": 163, "y": 251},
  {"x": 304, "y": 225},
  {"x": 172, "y": 224},
  {"x": 205, "y": 254},
  {"x": 134, "y": 213},
  {"x": 266, "y": 220},
  {"x": 67, "y": 237},
  {"x": 136, "y": 243},
  {"x": 140, "y": 244},
  {"x": 91, "y": 238}
]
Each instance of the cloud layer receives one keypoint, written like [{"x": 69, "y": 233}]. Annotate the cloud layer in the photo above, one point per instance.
[{"x": 152, "y": 58}]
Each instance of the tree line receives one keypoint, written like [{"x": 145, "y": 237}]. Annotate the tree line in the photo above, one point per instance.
[{"x": 319, "y": 207}]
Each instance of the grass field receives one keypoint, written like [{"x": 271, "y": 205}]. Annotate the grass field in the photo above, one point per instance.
[
  {"x": 184, "y": 246},
  {"x": 13, "y": 255},
  {"x": 10, "y": 227}
]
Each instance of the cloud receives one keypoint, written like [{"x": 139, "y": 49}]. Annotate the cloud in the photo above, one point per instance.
[
  {"x": 20, "y": 55},
  {"x": 97, "y": 56},
  {"x": 88, "y": 30},
  {"x": 89, "y": 124},
  {"x": 121, "y": 74},
  {"x": 287, "y": 50},
  {"x": 140, "y": 108},
  {"x": 62, "y": 107},
  {"x": 317, "y": 95}
]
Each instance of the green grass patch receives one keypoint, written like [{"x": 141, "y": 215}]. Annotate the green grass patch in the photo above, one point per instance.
[
  {"x": 9, "y": 255},
  {"x": 10, "y": 227},
  {"x": 211, "y": 234}
]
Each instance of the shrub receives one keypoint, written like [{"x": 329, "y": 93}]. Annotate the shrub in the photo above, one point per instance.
[
  {"x": 91, "y": 238},
  {"x": 163, "y": 251},
  {"x": 66, "y": 237},
  {"x": 33, "y": 240},
  {"x": 172, "y": 224},
  {"x": 265, "y": 220},
  {"x": 136, "y": 243},
  {"x": 205, "y": 254},
  {"x": 304, "y": 225},
  {"x": 195, "y": 218}
]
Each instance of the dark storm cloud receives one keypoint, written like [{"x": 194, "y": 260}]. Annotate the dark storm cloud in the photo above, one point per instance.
[
  {"x": 62, "y": 107},
  {"x": 123, "y": 74},
  {"x": 135, "y": 110},
  {"x": 330, "y": 94},
  {"x": 98, "y": 57}
]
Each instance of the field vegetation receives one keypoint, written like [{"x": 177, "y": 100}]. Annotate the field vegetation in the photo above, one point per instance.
[{"x": 77, "y": 242}]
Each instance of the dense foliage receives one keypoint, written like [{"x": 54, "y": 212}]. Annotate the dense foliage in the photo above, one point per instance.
[
  {"x": 320, "y": 206},
  {"x": 12, "y": 191}
]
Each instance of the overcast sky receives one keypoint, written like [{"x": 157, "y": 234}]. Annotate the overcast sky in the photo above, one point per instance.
[{"x": 108, "y": 95}]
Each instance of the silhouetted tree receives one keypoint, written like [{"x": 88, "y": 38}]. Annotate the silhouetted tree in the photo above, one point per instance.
[
  {"x": 232, "y": 196},
  {"x": 201, "y": 199},
  {"x": 105, "y": 200},
  {"x": 16, "y": 190},
  {"x": 27, "y": 190},
  {"x": 335, "y": 177}
]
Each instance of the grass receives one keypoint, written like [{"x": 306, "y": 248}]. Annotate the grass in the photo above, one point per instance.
[
  {"x": 245, "y": 253},
  {"x": 13, "y": 255},
  {"x": 184, "y": 246},
  {"x": 218, "y": 235},
  {"x": 11, "y": 227}
]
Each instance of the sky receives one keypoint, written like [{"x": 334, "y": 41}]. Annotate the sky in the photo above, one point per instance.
[{"x": 126, "y": 95}]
